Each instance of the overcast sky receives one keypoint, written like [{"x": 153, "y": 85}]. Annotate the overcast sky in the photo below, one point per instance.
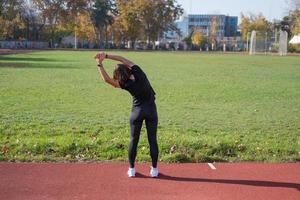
[{"x": 272, "y": 9}]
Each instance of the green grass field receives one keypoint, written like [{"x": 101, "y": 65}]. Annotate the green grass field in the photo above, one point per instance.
[{"x": 213, "y": 107}]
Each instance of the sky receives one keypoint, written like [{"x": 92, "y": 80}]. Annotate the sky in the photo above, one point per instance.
[{"x": 271, "y": 9}]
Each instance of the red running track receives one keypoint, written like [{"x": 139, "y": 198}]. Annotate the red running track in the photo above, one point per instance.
[{"x": 90, "y": 181}]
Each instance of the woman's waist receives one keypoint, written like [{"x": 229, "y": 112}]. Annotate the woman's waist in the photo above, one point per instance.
[{"x": 149, "y": 102}]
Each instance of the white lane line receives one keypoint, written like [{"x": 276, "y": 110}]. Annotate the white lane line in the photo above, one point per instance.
[{"x": 211, "y": 166}]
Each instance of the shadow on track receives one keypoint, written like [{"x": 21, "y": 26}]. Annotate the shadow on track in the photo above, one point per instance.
[{"x": 226, "y": 181}]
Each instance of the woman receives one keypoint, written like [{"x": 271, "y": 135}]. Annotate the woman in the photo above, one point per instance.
[{"x": 130, "y": 77}]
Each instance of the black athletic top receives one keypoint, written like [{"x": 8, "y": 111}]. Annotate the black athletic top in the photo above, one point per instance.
[{"x": 140, "y": 88}]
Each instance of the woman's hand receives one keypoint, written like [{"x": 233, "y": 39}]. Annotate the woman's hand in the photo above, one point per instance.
[
  {"x": 100, "y": 57},
  {"x": 98, "y": 61}
]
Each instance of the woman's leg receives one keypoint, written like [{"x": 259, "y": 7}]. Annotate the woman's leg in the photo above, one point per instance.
[
  {"x": 136, "y": 122},
  {"x": 151, "y": 126}
]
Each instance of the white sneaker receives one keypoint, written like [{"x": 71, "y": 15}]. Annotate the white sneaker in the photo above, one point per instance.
[
  {"x": 131, "y": 172},
  {"x": 154, "y": 172}
]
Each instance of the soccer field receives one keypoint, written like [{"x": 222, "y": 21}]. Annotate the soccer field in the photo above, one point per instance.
[{"x": 213, "y": 107}]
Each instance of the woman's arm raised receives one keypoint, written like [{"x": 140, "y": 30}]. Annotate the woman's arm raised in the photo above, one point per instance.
[
  {"x": 105, "y": 76},
  {"x": 121, "y": 59},
  {"x": 107, "y": 79}
]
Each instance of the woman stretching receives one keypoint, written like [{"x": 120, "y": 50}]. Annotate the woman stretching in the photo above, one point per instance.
[{"x": 130, "y": 77}]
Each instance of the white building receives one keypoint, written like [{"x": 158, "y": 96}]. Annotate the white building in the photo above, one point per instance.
[
  {"x": 227, "y": 27},
  {"x": 295, "y": 39}
]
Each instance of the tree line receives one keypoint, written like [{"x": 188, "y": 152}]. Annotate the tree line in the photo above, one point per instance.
[
  {"x": 121, "y": 21},
  {"x": 290, "y": 23},
  {"x": 94, "y": 21},
  {"x": 249, "y": 22}
]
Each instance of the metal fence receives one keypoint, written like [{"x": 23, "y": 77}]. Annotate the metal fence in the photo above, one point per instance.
[{"x": 23, "y": 45}]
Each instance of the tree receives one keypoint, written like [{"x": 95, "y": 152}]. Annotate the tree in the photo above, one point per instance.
[
  {"x": 295, "y": 16},
  {"x": 254, "y": 22},
  {"x": 86, "y": 28},
  {"x": 11, "y": 21},
  {"x": 33, "y": 21},
  {"x": 116, "y": 31},
  {"x": 198, "y": 39},
  {"x": 294, "y": 4},
  {"x": 102, "y": 16},
  {"x": 245, "y": 26},
  {"x": 147, "y": 19},
  {"x": 285, "y": 25},
  {"x": 51, "y": 13},
  {"x": 129, "y": 15},
  {"x": 121, "y": 20},
  {"x": 214, "y": 28},
  {"x": 260, "y": 23},
  {"x": 157, "y": 16},
  {"x": 188, "y": 40},
  {"x": 2, "y": 6},
  {"x": 291, "y": 22},
  {"x": 296, "y": 25}
]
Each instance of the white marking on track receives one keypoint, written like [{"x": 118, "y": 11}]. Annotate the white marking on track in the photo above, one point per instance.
[{"x": 211, "y": 166}]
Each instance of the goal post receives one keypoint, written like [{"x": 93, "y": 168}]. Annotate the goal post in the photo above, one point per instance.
[
  {"x": 283, "y": 43},
  {"x": 268, "y": 43}
]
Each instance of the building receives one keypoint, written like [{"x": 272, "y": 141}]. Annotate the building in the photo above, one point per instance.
[
  {"x": 295, "y": 39},
  {"x": 226, "y": 31},
  {"x": 182, "y": 25},
  {"x": 226, "y": 25}
]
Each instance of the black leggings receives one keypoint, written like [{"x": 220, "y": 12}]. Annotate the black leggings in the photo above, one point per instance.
[{"x": 147, "y": 112}]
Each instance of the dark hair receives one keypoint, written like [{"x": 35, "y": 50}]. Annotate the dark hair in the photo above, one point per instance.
[{"x": 121, "y": 73}]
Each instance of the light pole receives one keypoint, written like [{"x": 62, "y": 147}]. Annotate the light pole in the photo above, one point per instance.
[
  {"x": 75, "y": 45},
  {"x": 266, "y": 42},
  {"x": 75, "y": 38},
  {"x": 247, "y": 46}
]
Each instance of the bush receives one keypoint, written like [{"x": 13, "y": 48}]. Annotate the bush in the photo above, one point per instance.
[{"x": 294, "y": 48}]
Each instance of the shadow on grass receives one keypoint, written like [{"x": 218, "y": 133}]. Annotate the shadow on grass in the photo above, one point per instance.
[
  {"x": 35, "y": 65},
  {"x": 9, "y": 58},
  {"x": 226, "y": 181}
]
